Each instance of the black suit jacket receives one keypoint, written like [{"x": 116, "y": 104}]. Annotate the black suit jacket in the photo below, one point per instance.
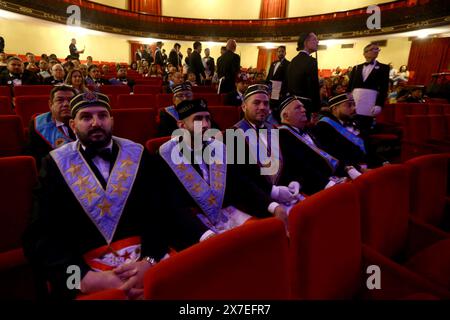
[
  {"x": 211, "y": 65},
  {"x": 27, "y": 78},
  {"x": 53, "y": 240},
  {"x": 159, "y": 58},
  {"x": 377, "y": 80},
  {"x": 303, "y": 80},
  {"x": 279, "y": 75},
  {"x": 175, "y": 59},
  {"x": 228, "y": 66},
  {"x": 196, "y": 66}
]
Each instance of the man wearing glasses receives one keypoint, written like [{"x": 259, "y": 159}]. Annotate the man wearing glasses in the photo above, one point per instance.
[{"x": 369, "y": 83}]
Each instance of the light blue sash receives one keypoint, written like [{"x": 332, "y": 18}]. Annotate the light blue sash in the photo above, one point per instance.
[
  {"x": 209, "y": 197},
  {"x": 104, "y": 207},
  {"x": 172, "y": 111},
  {"x": 357, "y": 141},
  {"x": 46, "y": 127},
  {"x": 331, "y": 161}
]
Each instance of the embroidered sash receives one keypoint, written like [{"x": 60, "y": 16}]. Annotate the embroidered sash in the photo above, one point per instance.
[
  {"x": 331, "y": 161},
  {"x": 254, "y": 147},
  {"x": 357, "y": 141},
  {"x": 209, "y": 197},
  {"x": 172, "y": 111},
  {"x": 45, "y": 126},
  {"x": 104, "y": 207}
]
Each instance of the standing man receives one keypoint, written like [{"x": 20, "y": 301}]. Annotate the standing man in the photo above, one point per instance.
[
  {"x": 302, "y": 74},
  {"x": 159, "y": 60},
  {"x": 277, "y": 75},
  {"x": 176, "y": 57},
  {"x": 51, "y": 130},
  {"x": 208, "y": 63},
  {"x": 369, "y": 83},
  {"x": 99, "y": 208},
  {"x": 74, "y": 52},
  {"x": 228, "y": 68},
  {"x": 196, "y": 64},
  {"x": 2, "y": 44}
]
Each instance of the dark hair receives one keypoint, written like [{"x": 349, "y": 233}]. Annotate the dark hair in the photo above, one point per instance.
[
  {"x": 92, "y": 66},
  {"x": 15, "y": 58},
  {"x": 282, "y": 47},
  {"x": 301, "y": 40},
  {"x": 177, "y": 45},
  {"x": 369, "y": 45},
  {"x": 63, "y": 87},
  {"x": 196, "y": 45}
]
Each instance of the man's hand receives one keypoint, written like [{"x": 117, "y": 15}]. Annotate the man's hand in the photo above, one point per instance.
[
  {"x": 376, "y": 110},
  {"x": 99, "y": 281},
  {"x": 132, "y": 274}
]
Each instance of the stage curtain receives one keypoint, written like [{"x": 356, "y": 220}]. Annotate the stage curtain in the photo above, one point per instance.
[
  {"x": 428, "y": 56},
  {"x": 273, "y": 9},
  {"x": 145, "y": 6},
  {"x": 265, "y": 57}
]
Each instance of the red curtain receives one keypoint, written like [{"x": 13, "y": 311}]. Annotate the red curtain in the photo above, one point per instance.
[
  {"x": 264, "y": 55},
  {"x": 133, "y": 48},
  {"x": 273, "y": 9},
  {"x": 145, "y": 6},
  {"x": 428, "y": 56}
]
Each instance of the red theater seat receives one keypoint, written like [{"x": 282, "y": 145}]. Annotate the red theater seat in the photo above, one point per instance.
[
  {"x": 138, "y": 125},
  {"x": 224, "y": 116},
  {"x": 164, "y": 100},
  {"x": 388, "y": 229},
  {"x": 5, "y": 91},
  {"x": 203, "y": 89},
  {"x": 115, "y": 89},
  {"x": 153, "y": 145},
  {"x": 18, "y": 176},
  {"x": 246, "y": 263},
  {"x": 136, "y": 101},
  {"x": 27, "y": 106},
  {"x": 34, "y": 90},
  {"x": 146, "y": 89},
  {"x": 325, "y": 245},
  {"x": 429, "y": 179},
  {"x": 5, "y": 106},
  {"x": 213, "y": 99},
  {"x": 12, "y": 140}
]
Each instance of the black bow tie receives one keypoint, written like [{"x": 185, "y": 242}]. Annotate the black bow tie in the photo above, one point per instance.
[
  {"x": 105, "y": 153},
  {"x": 367, "y": 63}
]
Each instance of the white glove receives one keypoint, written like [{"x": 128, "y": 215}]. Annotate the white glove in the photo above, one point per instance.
[
  {"x": 282, "y": 194},
  {"x": 353, "y": 173},
  {"x": 294, "y": 187},
  {"x": 376, "y": 110}
]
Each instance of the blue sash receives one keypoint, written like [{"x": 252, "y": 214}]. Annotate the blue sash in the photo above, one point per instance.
[
  {"x": 104, "y": 207},
  {"x": 331, "y": 161},
  {"x": 357, "y": 141},
  {"x": 254, "y": 147},
  {"x": 209, "y": 197},
  {"x": 46, "y": 127},
  {"x": 172, "y": 111}
]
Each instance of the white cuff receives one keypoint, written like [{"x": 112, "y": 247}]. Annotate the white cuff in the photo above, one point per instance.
[
  {"x": 275, "y": 192},
  {"x": 330, "y": 184},
  {"x": 206, "y": 235},
  {"x": 353, "y": 173},
  {"x": 363, "y": 166},
  {"x": 272, "y": 207}
]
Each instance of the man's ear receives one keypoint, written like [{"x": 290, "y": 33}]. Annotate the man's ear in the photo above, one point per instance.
[
  {"x": 181, "y": 124},
  {"x": 72, "y": 124}
]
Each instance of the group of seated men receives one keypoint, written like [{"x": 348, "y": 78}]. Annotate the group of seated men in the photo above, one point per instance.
[{"x": 110, "y": 208}]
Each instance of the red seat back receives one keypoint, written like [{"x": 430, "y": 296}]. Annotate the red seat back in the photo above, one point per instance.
[
  {"x": 115, "y": 89},
  {"x": 27, "y": 106},
  {"x": 384, "y": 199},
  {"x": 401, "y": 111},
  {"x": 153, "y": 145},
  {"x": 248, "y": 262},
  {"x": 19, "y": 176},
  {"x": 435, "y": 108},
  {"x": 12, "y": 139},
  {"x": 164, "y": 100},
  {"x": 213, "y": 99},
  {"x": 204, "y": 89},
  {"x": 5, "y": 91},
  {"x": 138, "y": 125},
  {"x": 5, "y": 106},
  {"x": 32, "y": 90},
  {"x": 325, "y": 245},
  {"x": 136, "y": 101},
  {"x": 429, "y": 187},
  {"x": 146, "y": 89},
  {"x": 417, "y": 128},
  {"x": 438, "y": 130},
  {"x": 224, "y": 116}
]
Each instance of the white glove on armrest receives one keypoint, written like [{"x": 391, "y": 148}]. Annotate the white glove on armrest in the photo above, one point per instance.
[
  {"x": 282, "y": 194},
  {"x": 376, "y": 110}
]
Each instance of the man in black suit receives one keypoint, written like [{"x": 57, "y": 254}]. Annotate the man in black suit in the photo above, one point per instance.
[
  {"x": 196, "y": 64},
  {"x": 208, "y": 63},
  {"x": 369, "y": 83},
  {"x": 176, "y": 57},
  {"x": 2, "y": 44},
  {"x": 74, "y": 52},
  {"x": 116, "y": 223},
  {"x": 302, "y": 75},
  {"x": 159, "y": 60},
  {"x": 278, "y": 71},
  {"x": 147, "y": 55},
  {"x": 15, "y": 75},
  {"x": 228, "y": 68}
]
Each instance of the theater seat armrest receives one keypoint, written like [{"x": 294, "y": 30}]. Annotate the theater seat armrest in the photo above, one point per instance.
[
  {"x": 12, "y": 259},
  {"x": 422, "y": 235},
  {"x": 397, "y": 282}
]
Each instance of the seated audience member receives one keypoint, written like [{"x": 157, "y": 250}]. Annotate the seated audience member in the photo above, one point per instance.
[
  {"x": 68, "y": 66},
  {"x": 43, "y": 72},
  {"x": 93, "y": 79},
  {"x": 84, "y": 70},
  {"x": 175, "y": 79},
  {"x": 99, "y": 207},
  {"x": 134, "y": 66},
  {"x": 51, "y": 130},
  {"x": 338, "y": 134},
  {"x": 415, "y": 95},
  {"x": 3, "y": 61},
  {"x": 15, "y": 75},
  {"x": 191, "y": 79},
  {"x": 122, "y": 78},
  {"x": 236, "y": 97},
  {"x": 401, "y": 76},
  {"x": 31, "y": 64},
  {"x": 105, "y": 70},
  {"x": 212, "y": 190},
  {"x": 57, "y": 76},
  {"x": 303, "y": 159},
  {"x": 89, "y": 61},
  {"x": 76, "y": 80},
  {"x": 51, "y": 63},
  {"x": 168, "y": 116}
]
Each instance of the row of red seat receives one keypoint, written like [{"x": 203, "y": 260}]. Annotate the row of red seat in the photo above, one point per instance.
[
  {"x": 335, "y": 235},
  {"x": 397, "y": 112},
  {"x": 137, "y": 124}
]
